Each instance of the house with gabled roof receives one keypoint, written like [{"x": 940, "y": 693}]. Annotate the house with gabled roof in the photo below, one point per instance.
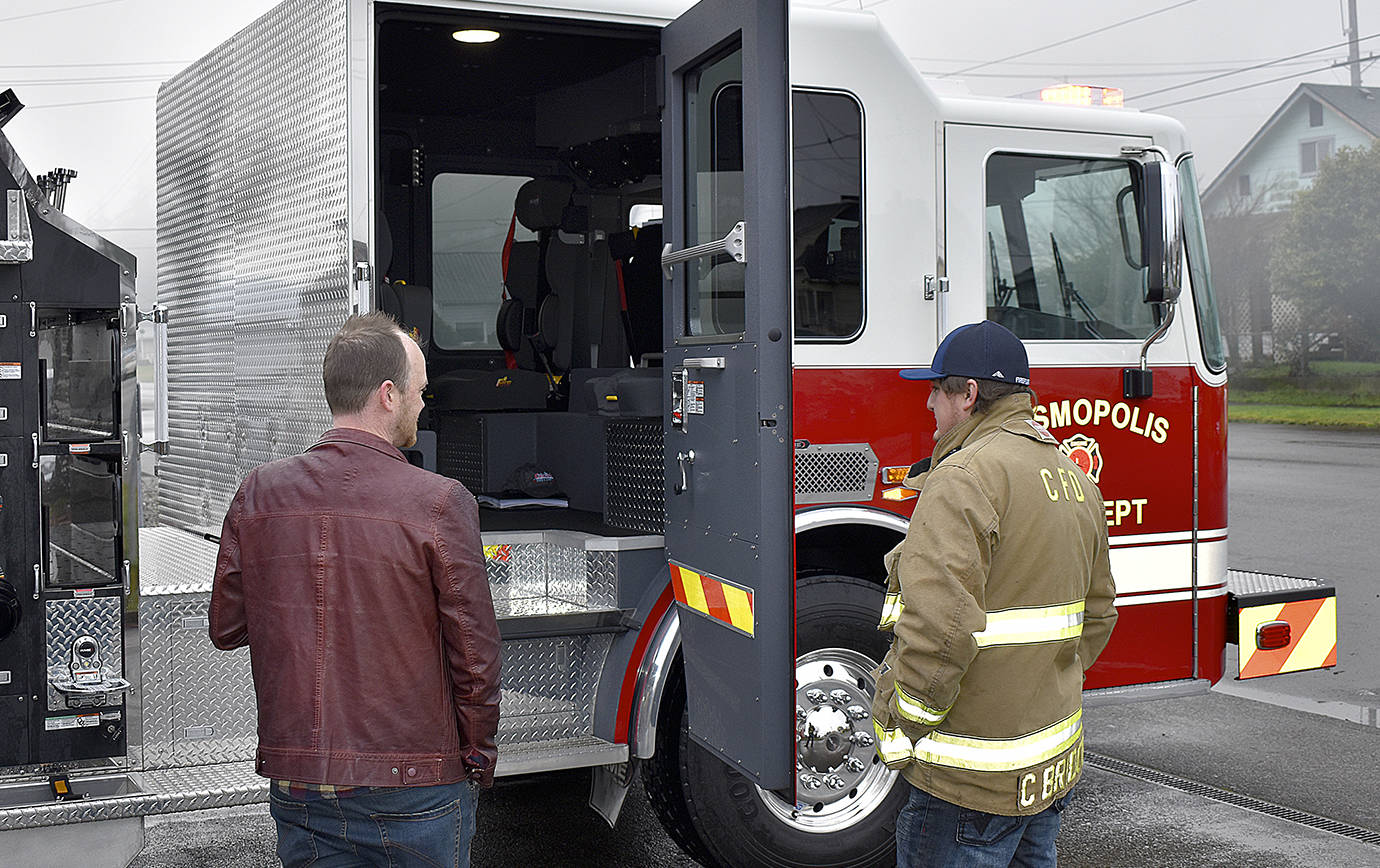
[
  {"x": 1246, "y": 203},
  {"x": 1284, "y": 154}
]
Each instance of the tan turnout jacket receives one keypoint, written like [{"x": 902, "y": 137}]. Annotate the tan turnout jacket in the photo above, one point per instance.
[{"x": 999, "y": 599}]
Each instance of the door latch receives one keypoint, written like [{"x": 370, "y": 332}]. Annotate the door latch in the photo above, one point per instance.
[
  {"x": 684, "y": 458},
  {"x": 935, "y": 285}
]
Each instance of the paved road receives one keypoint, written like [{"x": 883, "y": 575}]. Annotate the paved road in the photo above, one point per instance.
[
  {"x": 1313, "y": 764},
  {"x": 1302, "y": 502},
  {"x": 1305, "y": 502}
]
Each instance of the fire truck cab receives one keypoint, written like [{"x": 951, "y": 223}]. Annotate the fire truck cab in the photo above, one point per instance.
[{"x": 664, "y": 264}]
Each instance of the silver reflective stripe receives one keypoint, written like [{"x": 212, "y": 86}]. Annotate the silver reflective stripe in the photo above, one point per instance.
[
  {"x": 1000, "y": 754},
  {"x": 891, "y": 610},
  {"x": 1035, "y": 624},
  {"x": 913, "y": 709}
]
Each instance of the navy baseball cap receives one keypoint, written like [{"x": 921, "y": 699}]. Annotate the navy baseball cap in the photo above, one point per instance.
[{"x": 982, "y": 350}]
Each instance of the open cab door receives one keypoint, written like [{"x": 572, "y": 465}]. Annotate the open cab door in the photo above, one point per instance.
[{"x": 726, "y": 164}]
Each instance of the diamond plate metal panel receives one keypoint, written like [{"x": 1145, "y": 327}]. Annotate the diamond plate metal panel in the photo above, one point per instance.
[
  {"x": 1247, "y": 582},
  {"x": 549, "y": 687},
  {"x": 828, "y": 473},
  {"x": 173, "y": 561},
  {"x": 635, "y": 493},
  {"x": 460, "y": 448},
  {"x": 68, "y": 620},
  {"x": 254, "y": 250},
  {"x": 198, "y": 701},
  {"x": 218, "y": 786},
  {"x": 555, "y": 575}
]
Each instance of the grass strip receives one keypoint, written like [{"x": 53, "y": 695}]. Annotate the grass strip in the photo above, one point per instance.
[{"x": 1357, "y": 418}]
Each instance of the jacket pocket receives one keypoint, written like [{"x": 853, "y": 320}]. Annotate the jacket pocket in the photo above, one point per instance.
[{"x": 982, "y": 829}]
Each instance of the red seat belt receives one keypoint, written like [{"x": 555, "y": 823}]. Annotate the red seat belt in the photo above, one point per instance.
[{"x": 509, "y": 357}]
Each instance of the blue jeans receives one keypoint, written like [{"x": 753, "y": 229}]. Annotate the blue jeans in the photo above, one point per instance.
[
  {"x": 932, "y": 833},
  {"x": 425, "y": 827}
]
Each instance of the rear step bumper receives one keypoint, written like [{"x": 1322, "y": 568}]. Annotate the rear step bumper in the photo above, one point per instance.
[{"x": 1258, "y": 604}]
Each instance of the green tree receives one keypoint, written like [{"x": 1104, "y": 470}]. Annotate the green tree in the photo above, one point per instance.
[{"x": 1328, "y": 257}]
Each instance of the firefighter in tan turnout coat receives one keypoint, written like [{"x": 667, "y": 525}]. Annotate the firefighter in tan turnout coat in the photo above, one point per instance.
[{"x": 999, "y": 599}]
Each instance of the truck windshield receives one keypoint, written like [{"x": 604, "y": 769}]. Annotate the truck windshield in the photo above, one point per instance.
[
  {"x": 1199, "y": 274},
  {"x": 1063, "y": 244}
]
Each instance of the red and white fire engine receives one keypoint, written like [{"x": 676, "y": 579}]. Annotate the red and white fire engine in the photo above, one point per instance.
[{"x": 665, "y": 264}]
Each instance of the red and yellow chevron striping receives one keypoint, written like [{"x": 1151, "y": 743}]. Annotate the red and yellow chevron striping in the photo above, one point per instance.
[
  {"x": 715, "y": 598},
  {"x": 1312, "y": 637}
]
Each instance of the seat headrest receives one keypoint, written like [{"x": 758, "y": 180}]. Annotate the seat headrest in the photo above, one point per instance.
[{"x": 541, "y": 202}]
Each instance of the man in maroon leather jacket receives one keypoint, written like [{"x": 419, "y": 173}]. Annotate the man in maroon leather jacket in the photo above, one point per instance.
[{"x": 358, "y": 582}]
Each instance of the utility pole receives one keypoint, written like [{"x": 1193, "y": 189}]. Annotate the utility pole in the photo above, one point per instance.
[{"x": 1354, "y": 49}]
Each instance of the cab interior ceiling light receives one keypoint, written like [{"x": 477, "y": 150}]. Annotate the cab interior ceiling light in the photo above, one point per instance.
[{"x": 475, "y": 35}]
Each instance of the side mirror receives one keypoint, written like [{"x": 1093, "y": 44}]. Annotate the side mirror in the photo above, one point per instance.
[{"x": 1162, "y": 234}]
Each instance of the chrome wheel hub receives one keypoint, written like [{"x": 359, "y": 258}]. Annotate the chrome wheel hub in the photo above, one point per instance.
[{"x": 839, "y": 779}]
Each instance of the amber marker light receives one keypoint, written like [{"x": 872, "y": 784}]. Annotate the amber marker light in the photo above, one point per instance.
[
  {"x": 475, "y": 36},
  {"x": 894, "y": 475},
  {"x": 1084, "y": 94}
]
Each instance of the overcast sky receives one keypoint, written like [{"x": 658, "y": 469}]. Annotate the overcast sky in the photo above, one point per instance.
[{"x": 88, "y": 71}]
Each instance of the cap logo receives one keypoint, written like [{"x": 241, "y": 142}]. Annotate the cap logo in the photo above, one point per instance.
[{"x": 998, "y": 375}]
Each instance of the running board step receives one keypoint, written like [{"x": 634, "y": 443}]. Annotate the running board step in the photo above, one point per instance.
[
  {"x": 574, "y": 623},
  {"x": 564, "y": 753},
  {"x": 135, "y": 794}
]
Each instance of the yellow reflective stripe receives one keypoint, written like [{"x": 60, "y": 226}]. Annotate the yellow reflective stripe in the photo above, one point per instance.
[
  {"x": 1000, "y": 754},
  {"x": 891, "y": 610},
  {"x": 1036, "y": 624},
  {"x": 913, "y": 709},
  {"x": 892, "y": 744}
]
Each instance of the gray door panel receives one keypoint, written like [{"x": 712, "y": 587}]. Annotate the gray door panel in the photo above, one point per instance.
[{"x": 729, "y": 535}]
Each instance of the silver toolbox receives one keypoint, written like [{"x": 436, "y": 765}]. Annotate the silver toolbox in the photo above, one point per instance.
[{"x": 198, "y": 701}]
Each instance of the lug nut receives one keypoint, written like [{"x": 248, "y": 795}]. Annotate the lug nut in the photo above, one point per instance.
[
  {"x": 810, "y": 782},
  {"x": 840, "y": 697},
  {"x": 862, "y": 739},
  {"x": 799, "y": 713},
  {"x": 854, "y": 764},
  {"x": 835, "y": 782},
  {"x": 816, "y": 696},
  {"x": 857, "y": 712}
]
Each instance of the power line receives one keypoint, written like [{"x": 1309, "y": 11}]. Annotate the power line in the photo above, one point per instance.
[
  {"x": 53, "y": 105},
  {"x": 86, "y": 65},
  {"x": 1251, "y": 68},
  {"x": 1068, "y": 69},
  {"x": 62, "y": 82},
  {"x": 1233, "y": 63},
  {"x": 63, "y": 9},
  {"x": 1333, "y": 65},
  {"x": 1072, "y": 38}
]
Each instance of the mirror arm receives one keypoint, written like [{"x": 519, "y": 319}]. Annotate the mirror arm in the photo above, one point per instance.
[{"x": 1157, "y": 333}]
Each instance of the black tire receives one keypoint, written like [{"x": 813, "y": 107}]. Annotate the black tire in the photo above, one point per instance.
[
  {"x": 721, "y": 819},
  {"x": 662, "y": 774}
]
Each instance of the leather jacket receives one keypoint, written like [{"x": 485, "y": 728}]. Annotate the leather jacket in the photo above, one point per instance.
[{"x": 358, "y": 582}]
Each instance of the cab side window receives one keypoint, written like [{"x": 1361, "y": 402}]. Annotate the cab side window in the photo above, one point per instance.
[
  {"x": 828, "y": 223},
  {"x": 1063, "y": 243}
]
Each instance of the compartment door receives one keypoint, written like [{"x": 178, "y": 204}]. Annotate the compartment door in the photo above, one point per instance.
[
  {"x": 265, "y": 170},
  {"x": 726, "y": 169}
]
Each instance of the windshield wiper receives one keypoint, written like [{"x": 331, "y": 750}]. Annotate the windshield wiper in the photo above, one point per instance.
[{"x": 1070, "y": 295}]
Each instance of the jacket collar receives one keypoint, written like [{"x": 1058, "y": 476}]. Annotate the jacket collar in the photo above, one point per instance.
[
  {"x": 357, "y": 437},
  {"x": 1010, "y": 409}
]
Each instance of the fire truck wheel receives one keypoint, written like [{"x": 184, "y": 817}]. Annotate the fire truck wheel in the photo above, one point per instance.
[{"x": 847, "y": 800}]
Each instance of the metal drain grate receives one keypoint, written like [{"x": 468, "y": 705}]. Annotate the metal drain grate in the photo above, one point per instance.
[{"x": 1155, "y": 776}]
